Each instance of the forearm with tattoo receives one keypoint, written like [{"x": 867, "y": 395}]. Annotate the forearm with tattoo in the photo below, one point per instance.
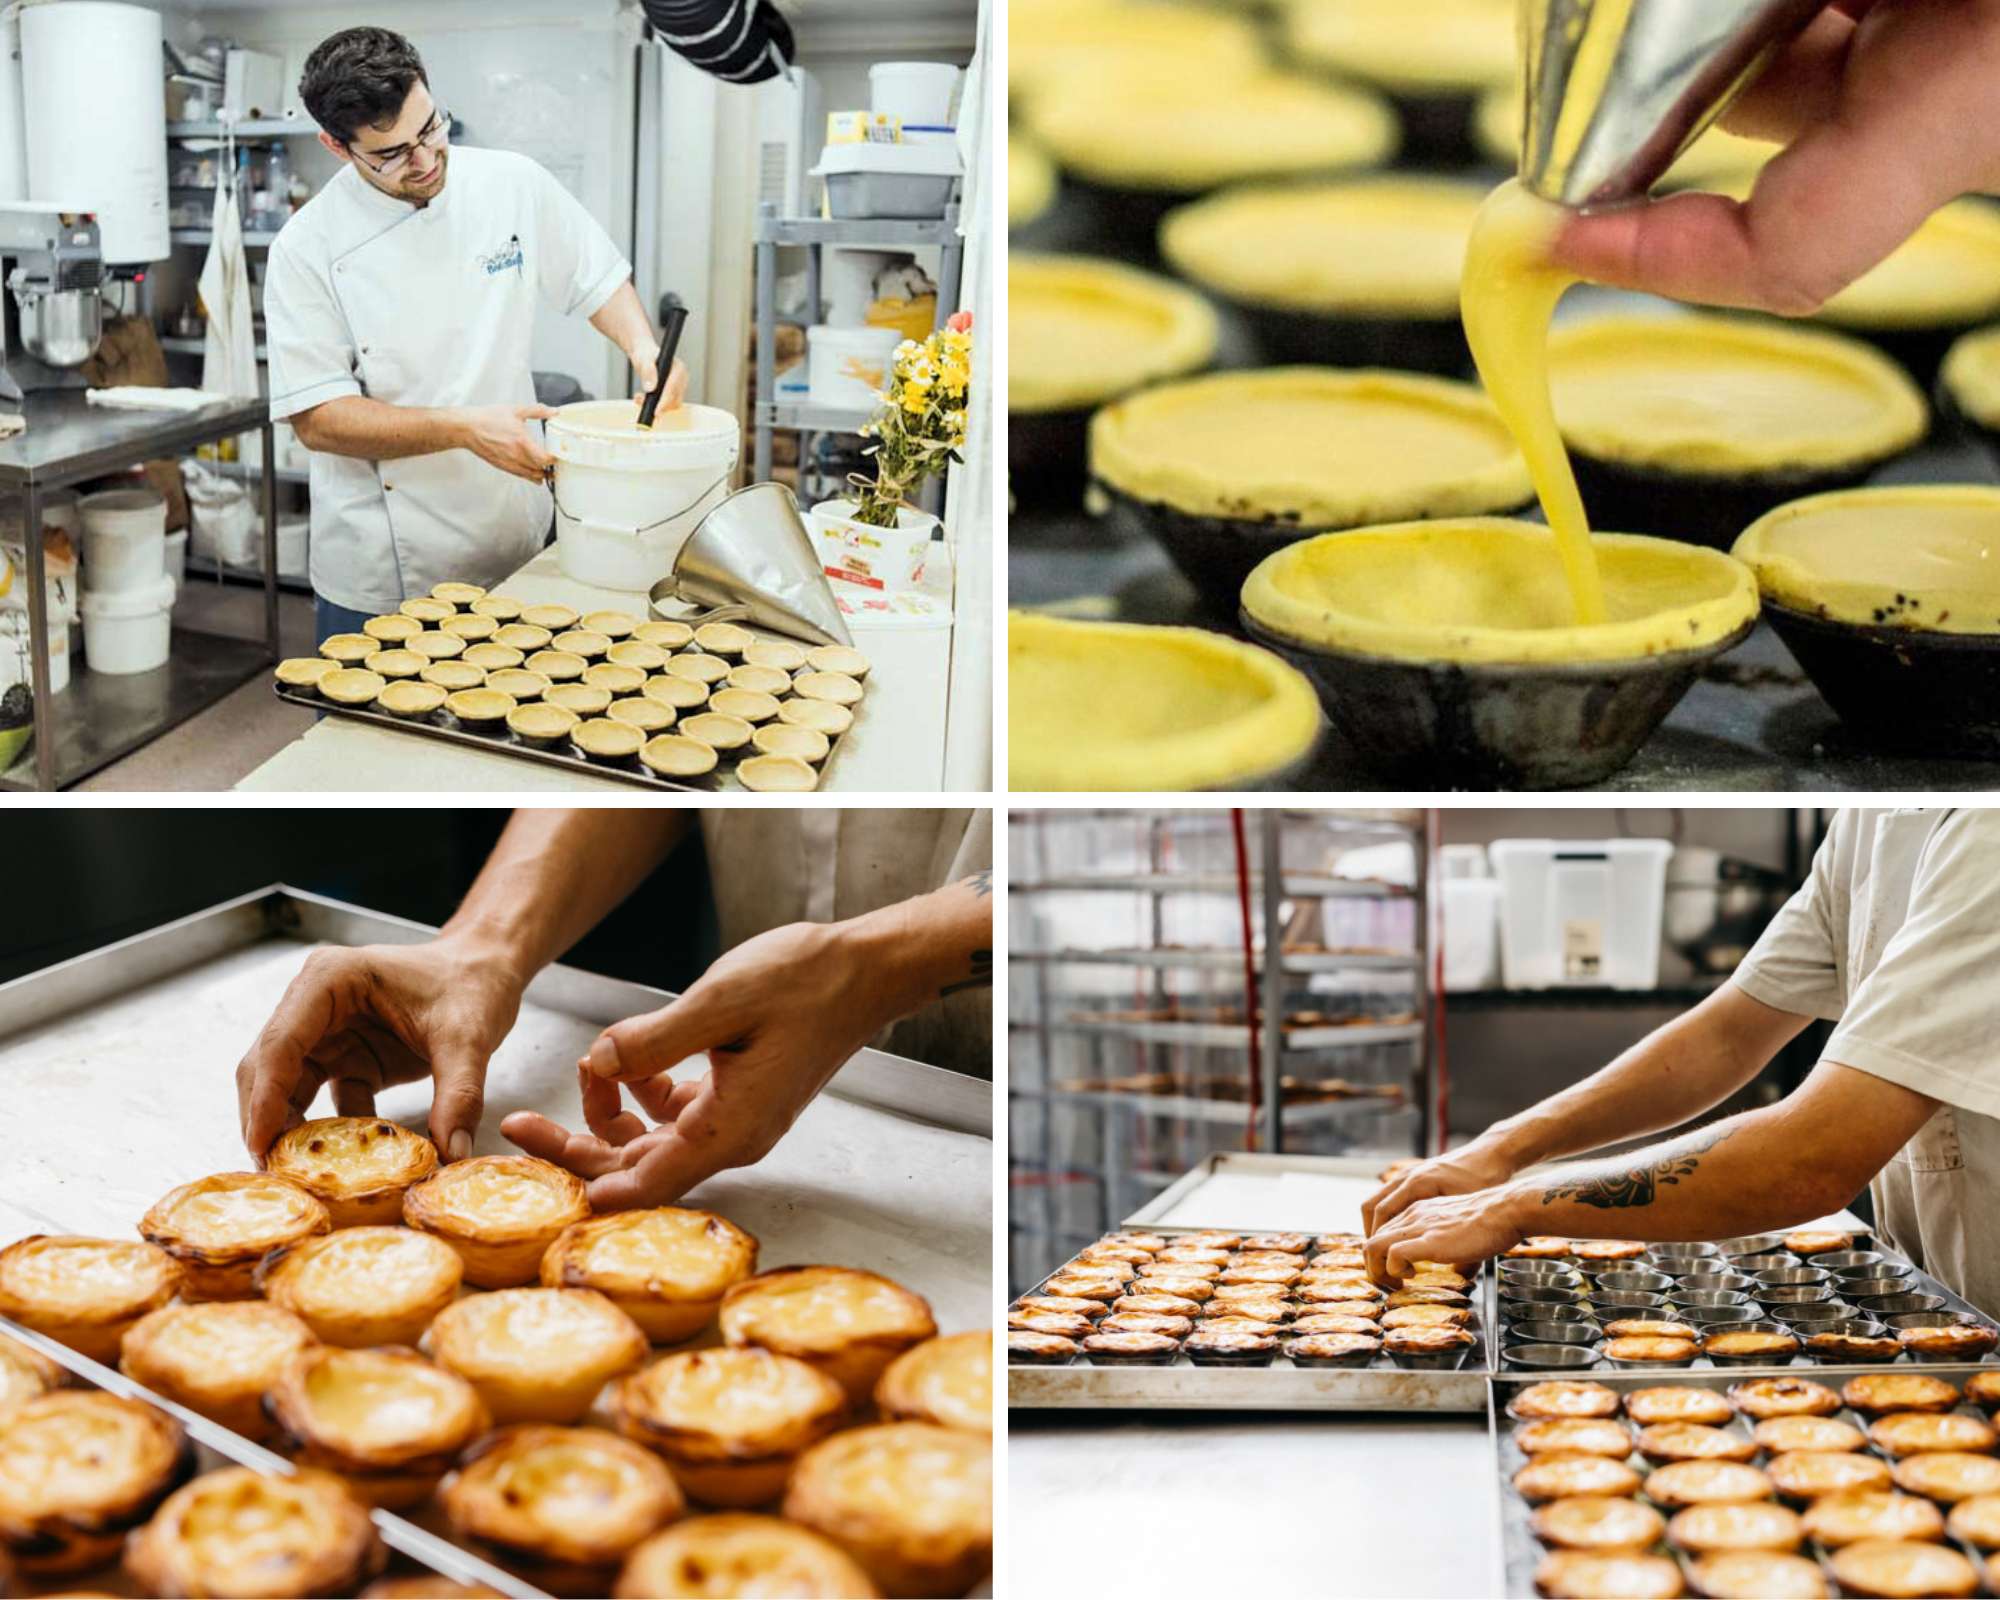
[{"x": 1612, "y": 1185}]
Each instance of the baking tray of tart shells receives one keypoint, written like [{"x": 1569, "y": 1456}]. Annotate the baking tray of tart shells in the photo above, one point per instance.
[
  {"x": 212, "y": 1448},
  {"x": 1777, "y": 1515},
  {"x": 1177, "y": 1370},
  {"x": 1747, "y": 1300}
]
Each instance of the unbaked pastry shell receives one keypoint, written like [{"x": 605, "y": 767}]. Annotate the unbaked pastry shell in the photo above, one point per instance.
[
  {"x": 537, "y": 1355},
  {"x": 365, "y": 1286},
  {"x": 499, "y": 1213},
  {"x": 666, "y": 1268}
]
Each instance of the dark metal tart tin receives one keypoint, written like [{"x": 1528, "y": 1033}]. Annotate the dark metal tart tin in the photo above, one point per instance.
[
  {"x": 1887, "y": 1304},
  {"x": 1699, "y": 508},
  {"x": 1552, "y": 1357},
  {"x": 1945, "y": 1357},
  {"x": 1846, "y": 1262},
  {"x": 1860, "y": 1327},
  {"x": 1719, "y": 1316},
  {"x": 1343, "y": 337},
  {"x": 1766, "y": 1261},
  {"x": 1246, "y": 1354},
  {"x": 1812, "y": 1313},
  {"x": 1516, "y": 1311},
  {"x": 1540, "y": 1272},
  {"x": 1930, "y": 1319},
  {"x": 1124, "y": 1358},
  {"x": 1431, "y": 1360},
  {"x": 1797, "y": 1294},
  {"x": 1039, "y": 1358},
  {"x": 1539, "y": 1294},
  {"x": 1554, "y": 1333},
  {"x": 1643, "y": 1282},
  {"x": 1628, "y": 1299},
  {"x": 1683, "y": 1247},
  {"x": 1750, "y": 1244},
  {"x": 1874, "y": 1288},
  {"x": 1626, "y": 1364},
  {"x": 1048, "y": 458},
  {"x": 1353, "y": 1358},
  {"x": 1779, "y": 1277}
]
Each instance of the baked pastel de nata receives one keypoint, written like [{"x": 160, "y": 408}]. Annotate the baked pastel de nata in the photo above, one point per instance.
[
  {"x": 730, "y": 1422},
  {"x": 26, "y": 1373},
  {"x": 218, "y": 1228},
  {"x": 849, "y": 1324},
  {"x": 427, "y": 1586},
  {"x": 561, "y": 1506},
  {"x": 240, "y": 1533},
  {"x": 912, "y": 1503},
  {"x": 500, "y": 1213},
  {"x": 737, "y": 1553},
  {"x": 947, "y": 1381},
  {"x": 216, "y": 1357},
  {"x": 84, "y": 1292},
  {"x": 667, "y": 1268},
  {"x": 537, "y": 1355},
  {"x": 364, "y": 1286},
  {"x": 77, "y": 1470},
  {"x": 357, "y": 1167},
  {"x": 387, "y": 1421}
]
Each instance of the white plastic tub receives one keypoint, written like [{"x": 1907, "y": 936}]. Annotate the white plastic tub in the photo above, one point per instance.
[
  {"x": 176, "y": 564},
  {"x": 849, "y": 367},
  {"x": 1471, "y": 933},
  {"x": 627, "y": 498},
  {"x": 1580, "y": 914},
  {"x": 920, "y": 92},
  {"x": 124, "y": 540},
  {"x": 129, "y": 631}
]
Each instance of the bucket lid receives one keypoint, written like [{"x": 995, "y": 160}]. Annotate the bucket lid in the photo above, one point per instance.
[
  {"x": 606, "y": 433},
  {"x": 146, "y": 601},
  {"x": 115, "y": 500}
]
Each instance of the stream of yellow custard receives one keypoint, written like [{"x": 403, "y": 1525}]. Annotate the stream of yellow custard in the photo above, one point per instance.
[{"x": 1506, "y": 298}]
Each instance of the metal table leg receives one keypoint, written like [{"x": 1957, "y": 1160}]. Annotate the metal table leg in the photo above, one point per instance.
[
  {"x": 267, "y": 435},
  {"x": 38, "y": 639},
  {"x": 767, "y": 356}
]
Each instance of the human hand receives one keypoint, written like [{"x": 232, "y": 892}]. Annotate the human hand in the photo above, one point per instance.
[
  {"x": 499, "y": 436},
  {"x": 363, "y": 1019},
  {"x": 1477, "y": 1166},
  {"x": 776, "y": 1016},
  {"x": 646, "y": 373},
  {"x": 1885, "y": 108},
  {"x": 1462, "y": 1228}
]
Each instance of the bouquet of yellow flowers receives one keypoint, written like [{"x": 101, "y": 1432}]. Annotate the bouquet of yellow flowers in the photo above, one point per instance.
[{"x": 920, "y": 428}]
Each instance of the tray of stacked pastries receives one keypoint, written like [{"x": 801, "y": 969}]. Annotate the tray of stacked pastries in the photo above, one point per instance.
[
  {"x": 652, "y": 702},
  {"x": 1848, "y": 1481},
  {"x": 1209, "y": 1318},
  {"x": 1817, "y": 1296},
  {"x": 464, "y": 1365}
]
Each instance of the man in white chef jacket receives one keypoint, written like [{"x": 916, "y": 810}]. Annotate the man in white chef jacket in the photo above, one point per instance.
[
  {"x": 400, "y": 307},
  {"x": 1896, "y": 939}
]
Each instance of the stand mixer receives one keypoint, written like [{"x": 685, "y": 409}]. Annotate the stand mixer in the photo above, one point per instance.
[
  {"x": 52, "y": 313},
  {"x": 1616, "y": 89}
]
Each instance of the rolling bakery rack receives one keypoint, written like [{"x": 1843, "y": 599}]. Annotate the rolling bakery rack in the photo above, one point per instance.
[{"x": 1135, "y": 935}]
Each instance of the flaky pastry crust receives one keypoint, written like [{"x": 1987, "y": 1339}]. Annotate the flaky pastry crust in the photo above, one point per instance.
[
  {"x": 849, "y": 1324},
  {"x": 219, "y": 1227},
  {"x": 500, "y": 1213},
  {"x": 710, "y": 1558},
  {"x": 357, "y": 1167},
  {"x": 84, "y": 1292},
  {"x": 77, "y": 1469},
  {"x": 238, "y": 1534},
  {"x": 667, "y": 1268},
  {"x": 26, "y": 1373},
  {"x": 215, "y": 1357},
  {"x": 364, "y": 1286},
  {"x": 537, "y": 1355}
]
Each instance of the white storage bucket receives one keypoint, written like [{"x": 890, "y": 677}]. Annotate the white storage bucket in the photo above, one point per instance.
[
  {"x": 627, "y": 498},
  {"x": 1471, "y": 932},
  {"x": 126, "y": 632},
  {"x": 850, "y": 366},
  {"x": 176, "y": 564},
  {"x": 124, "y": 540},
  {"x": 1580, "y": 914},
  {"x": 919, "y": 92}
]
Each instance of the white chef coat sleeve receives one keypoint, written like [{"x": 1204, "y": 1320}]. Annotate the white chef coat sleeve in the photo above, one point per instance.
[
  {"x": 1928, "y": 1016},
  {"x": 311, "y": 352},
  {"x": 1792, "y": 966},
  {"x": 577, "y": 267}
]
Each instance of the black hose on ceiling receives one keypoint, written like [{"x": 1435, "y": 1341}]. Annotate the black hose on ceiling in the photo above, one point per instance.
[{"x": 738, "y": 41}]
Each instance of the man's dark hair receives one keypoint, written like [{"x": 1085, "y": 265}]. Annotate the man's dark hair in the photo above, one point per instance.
[{"x": 359, "y": 78}]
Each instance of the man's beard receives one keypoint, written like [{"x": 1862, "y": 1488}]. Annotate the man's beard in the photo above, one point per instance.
[{"x": 430, "y": 189}]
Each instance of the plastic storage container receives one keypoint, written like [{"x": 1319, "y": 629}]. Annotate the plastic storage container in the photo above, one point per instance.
[
  {"x": 919, "y": 92},
  {"x": 176, "y": 562},
  {"x": 848, "y": 367},
  {"x": 129, "y": 631},
  {"x": 124, "y": 540},
  {"x": 1580, "y": 914},
  {"x": 908, "y": 181},
  {"x": 627, "y": 498}
]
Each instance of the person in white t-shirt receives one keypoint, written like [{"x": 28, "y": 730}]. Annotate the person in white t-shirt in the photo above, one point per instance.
[
  {"x": 1896, "y": 938},
  {"x": 400, "y": 306}
]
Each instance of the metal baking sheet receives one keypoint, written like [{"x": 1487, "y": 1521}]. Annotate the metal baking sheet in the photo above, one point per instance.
[
  {"x": 118, "y": 1075},
  {"x": 1250, "y": 1193},
  {"x": 442, "y": 725},
  {"x": 1521, "y": 1551},
  {"x": 1920, "y": 1282}
]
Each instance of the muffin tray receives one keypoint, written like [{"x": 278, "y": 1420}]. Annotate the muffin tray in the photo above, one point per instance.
[
  {"x": 443, "y": 725},
  {"x": 1522, "y": 1551},
  {"x": 1508, "y": 1325}
]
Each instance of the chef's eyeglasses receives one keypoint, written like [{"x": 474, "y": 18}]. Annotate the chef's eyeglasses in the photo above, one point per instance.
[{"x": 436, "y": 132}]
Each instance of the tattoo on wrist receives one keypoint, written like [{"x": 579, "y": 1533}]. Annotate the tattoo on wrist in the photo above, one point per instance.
[
  {"x": 980, "y": 883},
  {"x": 982, "y": 974},
  {"x": 1610, "y": 1187}
]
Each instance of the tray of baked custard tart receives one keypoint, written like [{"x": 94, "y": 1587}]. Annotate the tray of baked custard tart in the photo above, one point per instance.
[
  {"x": 1845, "y": 1481},
  {"x": 659, "y": 703},
  {"x": 408, "y": 1359},
  {"x": 1829, "y": 1293}
]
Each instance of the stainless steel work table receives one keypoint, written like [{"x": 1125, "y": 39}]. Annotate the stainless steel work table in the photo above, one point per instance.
[
  {"x": 1253, "y": 1503},
  {"x": 99, "y": 718}
]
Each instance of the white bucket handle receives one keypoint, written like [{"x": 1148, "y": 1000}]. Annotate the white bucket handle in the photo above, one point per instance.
[{"x": 647, "y": 527}]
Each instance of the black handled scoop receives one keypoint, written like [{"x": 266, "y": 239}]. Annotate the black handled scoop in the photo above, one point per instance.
[{"x": 670, "y": 339}]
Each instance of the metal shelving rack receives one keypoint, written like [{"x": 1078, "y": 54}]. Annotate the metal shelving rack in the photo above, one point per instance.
[
  {"x": 817, "y": 234},
  {"x": 1108, "y": 1130}
]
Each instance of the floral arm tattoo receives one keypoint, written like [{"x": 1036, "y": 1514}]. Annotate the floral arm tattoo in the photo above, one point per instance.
[{"x": 1611, "y": 1185}]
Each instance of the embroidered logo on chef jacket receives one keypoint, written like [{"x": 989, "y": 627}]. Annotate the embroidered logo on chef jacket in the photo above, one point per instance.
[{"x": 507, "y": 256}]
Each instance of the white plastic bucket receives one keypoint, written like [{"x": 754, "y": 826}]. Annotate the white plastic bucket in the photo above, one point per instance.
[
  {"x": 1580, "y": 913},
  {"x": 124, "y": 540},
  {"x": 627, "y": 498},
  {"x": 129, "y": 631},
  {"x": 176, "y": 563},
  {"x": 847, "y": 367},
  {"x": 917, "y": 91}
]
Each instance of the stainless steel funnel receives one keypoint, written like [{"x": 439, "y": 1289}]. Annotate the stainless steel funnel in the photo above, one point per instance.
[
  {"x": 1616, "y": 89},
  {"x": 752, "y": 560}
]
